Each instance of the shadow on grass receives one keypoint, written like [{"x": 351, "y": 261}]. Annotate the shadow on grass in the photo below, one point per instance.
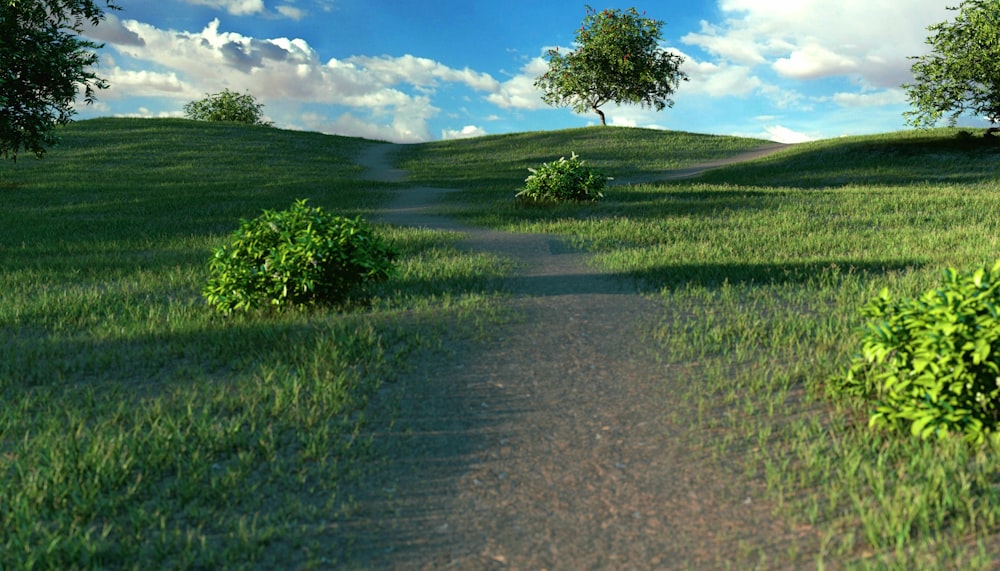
[
  {"x": 892, "y": 161},
  {"x": 593, "y": 282},
  {"x": 651, "y": 202},
  {"x": 148, "y": 363},
  {"x": 502, "y": 161},
  {"x": 817, "y": 274}
]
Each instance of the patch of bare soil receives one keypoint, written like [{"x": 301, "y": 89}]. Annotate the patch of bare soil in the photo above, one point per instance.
[{"x": 556, "y": 445}]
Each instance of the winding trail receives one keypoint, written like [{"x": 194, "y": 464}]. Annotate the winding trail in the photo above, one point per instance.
[{"x": 552, "y": 446}]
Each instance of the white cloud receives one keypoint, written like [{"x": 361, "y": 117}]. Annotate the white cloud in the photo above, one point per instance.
[
  {"x": 784, "y": 98},
  {"x": 466, "y": 132},
  {"x": 398, "y": 131},
  {"x": 718, "y": 79},
  {"x": 813, "y": 61},
  {"x": 145, "y": 113},
  {"x": 810, "y": 39},
  {"x": 734, "y": 45},
  {"x": 876, "y": 99},
  {"x": 422, "y": 72},
  {"x": 780, "y": 134},
  {"x": 390, "y": 96},
  {"x": 291, "y": 12},
  {"x": 622, "y": 121},
  {"x": 234, "y": 7},
  {"x": 519, "y": 92},
  {"x": 111, "y": 30},
  {"x": 132, "y": 83}
]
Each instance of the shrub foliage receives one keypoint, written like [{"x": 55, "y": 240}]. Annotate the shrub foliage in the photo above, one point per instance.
[
  {"x": 227, "y": 106},
  {"x": 563, "y": 180},
  {"x": 933, "y": 362},
  {"x": 303, "y": 255}
]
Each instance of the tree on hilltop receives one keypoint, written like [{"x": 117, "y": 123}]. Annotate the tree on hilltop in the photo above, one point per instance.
[
  {"x": 962, "y": 72},
  {"x": 617, "y": 59},
  {"x": 44, "y": 64},
  {"x": 227, "y": 106}
]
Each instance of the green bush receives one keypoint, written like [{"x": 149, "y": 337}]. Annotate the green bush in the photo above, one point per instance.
[
  {"x": 298, "y": 256},
  {"x": 563, "y": 180},
  {"x": 227, "y": 106},
  {"x": 933, "y": 363}
]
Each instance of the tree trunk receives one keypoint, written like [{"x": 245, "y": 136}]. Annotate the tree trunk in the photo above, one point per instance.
[{"x": 601, "y": 113}]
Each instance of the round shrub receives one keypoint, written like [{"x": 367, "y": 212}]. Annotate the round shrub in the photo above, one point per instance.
[
  {"x": 933, "y": 363},
  {"x": 298, "y": 256},
  {"x": 563, "y": 180},
  {"x": 227, "y": 106}
]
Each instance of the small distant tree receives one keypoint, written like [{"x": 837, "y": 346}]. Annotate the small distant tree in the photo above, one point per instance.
[
  {"x": 962, "y": 72},
  {"x": 227, "y": 106},
  {"x": 44, "y": 64},
  {"x": 618, "y": 58}
]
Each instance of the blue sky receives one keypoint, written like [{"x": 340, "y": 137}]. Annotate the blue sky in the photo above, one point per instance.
[{"x": 403, "y": 71}]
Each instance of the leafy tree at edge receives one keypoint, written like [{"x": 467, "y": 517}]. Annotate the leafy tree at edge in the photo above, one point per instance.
[
  {"x": 44, "y": 64},
  {"x": 961, "y": 74}
]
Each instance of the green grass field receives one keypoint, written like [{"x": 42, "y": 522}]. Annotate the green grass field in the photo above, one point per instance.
[{"x": 138, "y": 429}]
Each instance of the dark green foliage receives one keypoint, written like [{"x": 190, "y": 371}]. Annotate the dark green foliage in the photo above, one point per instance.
[
  {"x": 962, "y": 71},
  {"x": 298, "y": 256},
  {"x": 227, "y": 106},
  {"x": 43, "y": 65},
  {"x": 618, "y": 59},
  {"x": 933, "y": 363},
  {"x": 563, "y": 180}
]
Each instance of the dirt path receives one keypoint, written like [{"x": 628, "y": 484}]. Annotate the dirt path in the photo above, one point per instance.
[{"x": 554, "y": 446}]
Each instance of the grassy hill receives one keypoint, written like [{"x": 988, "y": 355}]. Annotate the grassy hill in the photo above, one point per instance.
[{"x": 139, "y": 429}]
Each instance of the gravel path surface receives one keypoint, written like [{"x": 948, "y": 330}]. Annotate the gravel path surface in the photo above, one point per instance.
[{"x": 555, "y": 445}]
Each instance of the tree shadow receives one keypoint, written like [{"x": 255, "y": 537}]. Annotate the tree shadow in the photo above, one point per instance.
[
  {"x": 893, "y": 161},
  {"x": 147, "y": 364},
  {"x": 815, "y": 274}
]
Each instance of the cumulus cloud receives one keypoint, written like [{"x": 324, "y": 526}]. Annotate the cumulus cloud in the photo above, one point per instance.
[
  {"x": 145, "y": 83},
  {"x": 718, "y": 79},
  {"x": 234, "y": 7},
  {"x": 397, "y": 131},
  {"x": 780, "y": 134},
  {"x": 466, "y": 132},
  {"x": 519, "y": 92},
  {"x": 874, "y": 99},
  {"x": 291, "y": 12},
  {"x": 390, "y": 96},
  {"x": 145, "y": 113},
  {"x": 422, "y": 72},
  {"x": 811, "y": 39},
  {"x": 813, "y": 61},
  {"x": 111, "y": 31},
  {"x": 739, "y": 46}
]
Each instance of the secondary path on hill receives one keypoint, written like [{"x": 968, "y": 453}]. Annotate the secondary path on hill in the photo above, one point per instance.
[{"x": 556, "y": 444}]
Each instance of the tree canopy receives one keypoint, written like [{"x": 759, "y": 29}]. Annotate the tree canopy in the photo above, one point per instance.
[
  {"x": 617, "y": 59},
  {"x": 44, "y": 64},
  {"x": 961, "y": 74}
]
